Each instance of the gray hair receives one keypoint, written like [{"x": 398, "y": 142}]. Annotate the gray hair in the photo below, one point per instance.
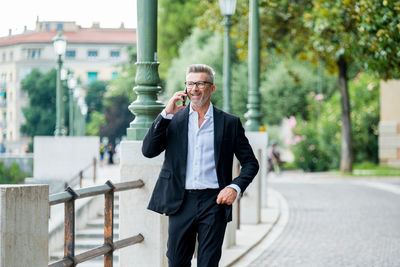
[{"x": 196, "y": 68}]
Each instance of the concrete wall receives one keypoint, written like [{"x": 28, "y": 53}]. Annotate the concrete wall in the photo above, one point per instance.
[
  {"x": 24, "y": 213},
  {"x": 135, "y": 218},
  {"x": 389, "y": 125},
  {"x": 61, "y": 158}
]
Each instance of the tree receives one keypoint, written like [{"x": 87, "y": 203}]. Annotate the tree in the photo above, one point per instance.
[
  {"x": 206, "y": 47},
  {"x": 117, "y": 116},
  {"x": 177, "y": 19},
  {"x": 40, "y": 114},
  {"x": 333, "y": 32},
  {"x": 95, "y": 95},
  {"x": 286, "y": 87},
  {"x": 12, "y": 174}
]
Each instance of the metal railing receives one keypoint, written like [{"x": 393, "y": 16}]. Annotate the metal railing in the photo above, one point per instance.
[
  {"x": 77, "y": 179},
  {"x": 68, "y": 198}
]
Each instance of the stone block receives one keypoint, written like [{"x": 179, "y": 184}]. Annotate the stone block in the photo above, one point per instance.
[
  {"x": 135, "y": 218},
  {"x": 24, "y": 214}
]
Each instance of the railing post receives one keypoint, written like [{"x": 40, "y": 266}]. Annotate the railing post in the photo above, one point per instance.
[
  {"x": 80, "y": 179},
  {"x": 24, "y": 217},
  {"x": 69, "y": 227},
  {"x": 109, "y": 224},
  {"x": 251, "y": 198},
  {"x": 94, "y": 170}
]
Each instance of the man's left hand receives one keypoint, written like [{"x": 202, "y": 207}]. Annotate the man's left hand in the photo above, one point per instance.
[{"x": 226, "y": 196}]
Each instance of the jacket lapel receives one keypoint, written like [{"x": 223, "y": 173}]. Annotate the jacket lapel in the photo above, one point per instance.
[
  {"x": 218, "y": 134},
  {"x": 182, "y": 124}
]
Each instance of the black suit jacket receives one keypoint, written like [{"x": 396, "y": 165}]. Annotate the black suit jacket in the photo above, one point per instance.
[{"x": 172, "y": 136}]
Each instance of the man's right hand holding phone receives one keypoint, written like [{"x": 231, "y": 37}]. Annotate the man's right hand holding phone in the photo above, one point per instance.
[{"x": 172, "y": 107}]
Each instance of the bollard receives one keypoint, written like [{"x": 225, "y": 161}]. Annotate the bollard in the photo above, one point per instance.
[{"x": 94, "y": 170}]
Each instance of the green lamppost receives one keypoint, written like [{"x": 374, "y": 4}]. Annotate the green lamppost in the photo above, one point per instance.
[
  {"x": 146, "y": 107},
  {"x": 253, "y": 115},
  {"x": 60, "y": 45},
  {"x": 227, "y": 8},
  {"x": 71, "y": 86}
]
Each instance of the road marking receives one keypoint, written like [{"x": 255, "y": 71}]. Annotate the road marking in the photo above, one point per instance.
[{"x": 378, "y": 185}]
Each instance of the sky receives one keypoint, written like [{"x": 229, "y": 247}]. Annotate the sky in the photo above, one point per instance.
[{"x": 110, "y": 13}]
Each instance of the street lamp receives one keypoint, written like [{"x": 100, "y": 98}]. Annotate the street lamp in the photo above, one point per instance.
[
  {"x": 60, "y": 45},
  {"x": 227, "y": 8},
  {"x": 71, "y": 86},
  {"x": 253, "y": 115}
]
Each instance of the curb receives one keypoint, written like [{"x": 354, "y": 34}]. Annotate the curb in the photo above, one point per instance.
[{"x": 250, "y": 238}]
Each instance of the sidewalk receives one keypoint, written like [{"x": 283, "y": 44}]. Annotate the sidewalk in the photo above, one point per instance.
[
  {"x": 251, "y": 237},
  {"x": 251, "y": 240}
]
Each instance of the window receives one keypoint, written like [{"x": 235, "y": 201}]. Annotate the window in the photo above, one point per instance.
[
  {"x": 92, "y": 77},
  {"x": 70, "y": 54},
  {"x": 3, "y": 78},
  {"x": 60, "y": 26},
  {"x": 114, "y": 75},
  {"x": 11, "y": 56},
  {"x": 10, "y": 77},
  {"x": 33, "y": 53},
  {"x": 114, "y": 53},
  {"x": 92, "y": 53},
  {"x": 47, "y": 26},
  {"x": 4, "y": 56}
]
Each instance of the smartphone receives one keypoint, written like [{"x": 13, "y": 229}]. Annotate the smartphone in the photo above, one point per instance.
[{"x": 184, "y": 98}]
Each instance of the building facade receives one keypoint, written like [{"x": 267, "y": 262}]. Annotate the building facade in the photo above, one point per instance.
[
  {"x": 92, "y": 54},
  {"x": 389, "y": 125}
]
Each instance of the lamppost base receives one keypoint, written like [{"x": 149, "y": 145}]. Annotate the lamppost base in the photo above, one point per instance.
[{"x": 136, "y": 133}]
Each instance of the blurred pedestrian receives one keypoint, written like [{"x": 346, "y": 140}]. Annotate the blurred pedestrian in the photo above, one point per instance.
[
  {"x": 102, "y": 151},
  {"x": 274, "y": 159},
  {"x": 110, "y": 152}
]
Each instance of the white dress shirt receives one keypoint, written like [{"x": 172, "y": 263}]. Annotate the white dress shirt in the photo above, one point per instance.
[{"x": 200, "y": 167}]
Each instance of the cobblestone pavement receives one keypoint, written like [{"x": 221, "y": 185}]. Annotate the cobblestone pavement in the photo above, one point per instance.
[{"x": 333, "y": 222}]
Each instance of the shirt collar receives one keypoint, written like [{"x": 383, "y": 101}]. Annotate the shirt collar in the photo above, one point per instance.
[{"x": 209, "y": 113}]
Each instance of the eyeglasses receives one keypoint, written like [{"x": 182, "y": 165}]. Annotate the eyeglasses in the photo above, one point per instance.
[{"x": 200, "y": 85}]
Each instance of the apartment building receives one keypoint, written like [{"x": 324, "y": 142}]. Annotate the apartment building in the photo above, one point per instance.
[{"x": 92, "y": 54}]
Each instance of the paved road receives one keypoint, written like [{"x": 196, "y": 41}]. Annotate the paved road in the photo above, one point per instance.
[{"x": 333, "y": 222}]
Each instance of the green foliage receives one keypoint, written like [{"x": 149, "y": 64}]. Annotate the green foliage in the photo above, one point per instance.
[
  {"x": 372, "y": 169},
  {"x": 40, "y": 114},
  {"x": 97, "y": 121},
  {"x": 94, "y": 96},
  {"x": 11, "y": 175},
  {"x": 201, "y": 47},
  {"x": 286, "y": 86},
  {"x": 117, "y": 117},
  {"x": 177, "y": 19},
  {"x": 207, "y": 48},
  {"x": 318, "y": 141},
  {"x": 379, "y": 26}
]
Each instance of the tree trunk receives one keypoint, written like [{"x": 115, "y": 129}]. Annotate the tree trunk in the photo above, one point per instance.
[{"x": 346, "y": 160}]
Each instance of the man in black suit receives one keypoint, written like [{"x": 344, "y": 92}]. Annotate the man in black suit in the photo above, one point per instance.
[{"x": 195, "y": 187}]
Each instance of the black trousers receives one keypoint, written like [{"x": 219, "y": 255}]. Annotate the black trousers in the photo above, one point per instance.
[{"x": 199, "y": 215}]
